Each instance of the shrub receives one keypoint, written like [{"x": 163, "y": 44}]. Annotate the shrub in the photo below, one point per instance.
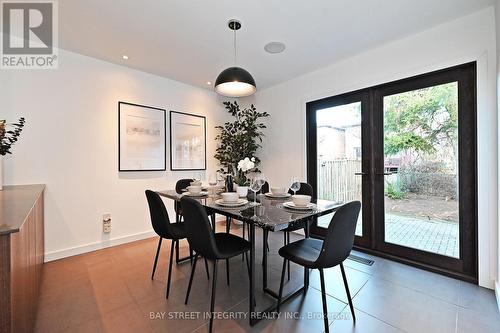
[{"x": 393, "y": 193}]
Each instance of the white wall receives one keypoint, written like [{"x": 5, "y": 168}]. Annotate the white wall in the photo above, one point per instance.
[
  {"x": 497, "y": 23},
  {"x": 471, "y": 38},
  {"x": 70, "y": 144}
]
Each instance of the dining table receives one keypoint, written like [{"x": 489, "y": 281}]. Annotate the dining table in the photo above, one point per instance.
[{"x": 271, "y": 215}]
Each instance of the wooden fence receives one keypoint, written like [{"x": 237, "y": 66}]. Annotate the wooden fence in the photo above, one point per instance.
[{"x": 337, "y": 180}]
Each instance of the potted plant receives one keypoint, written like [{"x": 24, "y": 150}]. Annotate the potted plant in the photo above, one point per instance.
[
  {"x": 7, "y": 139},
  {"x": 239, "y": 139},
  {"x": 244, "y": 167}
]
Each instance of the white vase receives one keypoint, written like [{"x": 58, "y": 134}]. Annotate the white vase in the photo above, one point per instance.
[{"x": 242, "y": 191}]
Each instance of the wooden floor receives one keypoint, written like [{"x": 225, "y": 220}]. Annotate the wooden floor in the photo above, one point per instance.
[{"x": 111, "y": 291}]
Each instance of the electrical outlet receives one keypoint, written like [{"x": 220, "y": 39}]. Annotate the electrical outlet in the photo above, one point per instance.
[{"x": 106, "y": 223}]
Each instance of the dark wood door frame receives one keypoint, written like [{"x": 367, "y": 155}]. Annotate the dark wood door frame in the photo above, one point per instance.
[{"x": 372, "y": 166}]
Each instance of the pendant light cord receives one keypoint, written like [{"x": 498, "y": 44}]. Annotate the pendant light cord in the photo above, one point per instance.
[{"x": 234, "y": 45}]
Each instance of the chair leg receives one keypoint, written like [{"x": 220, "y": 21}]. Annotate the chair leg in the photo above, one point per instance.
[
  {"x": 347, "y": 291},
  {"x": 227, "y": 271},
  {"x": 323, "y": 298},
  {"x": 190, "y": 254},
  {"x": 228, "y": 224},
  {"x": 177, "y": 251},
  {"x": 170, "y": 266},
  {"x": 191, "y": 279},
  {"x": 212, "y": 300},
  {"x": 282, "y": 281},
  {"x": 156, "y": 258},
  {"x": 206, "y": 269}
]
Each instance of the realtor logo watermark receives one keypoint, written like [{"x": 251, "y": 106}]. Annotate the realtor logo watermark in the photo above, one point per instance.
[{"x": 29, "y": 35}]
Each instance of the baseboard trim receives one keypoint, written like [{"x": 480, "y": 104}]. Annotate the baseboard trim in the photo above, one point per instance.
[
  {"x": 497, "y": 294},
  {"x": 73, "y": 251},
  {"x": 90, "y": 247}
]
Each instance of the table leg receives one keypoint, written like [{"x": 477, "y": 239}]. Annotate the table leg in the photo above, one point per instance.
[
  {"x": 251, "y": 299},
  {"x": 264, "y": 258},
  {"x": 306, "y": 270}
]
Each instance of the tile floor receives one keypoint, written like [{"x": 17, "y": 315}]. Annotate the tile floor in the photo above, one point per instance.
[{"x": 111, "y": 291}]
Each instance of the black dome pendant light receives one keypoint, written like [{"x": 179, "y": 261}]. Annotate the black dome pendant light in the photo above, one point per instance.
[{"x": 235, "y": 81}]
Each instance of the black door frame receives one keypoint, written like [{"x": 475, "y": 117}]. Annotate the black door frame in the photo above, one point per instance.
[
  {"x": 466, "y": 267},
  {"x": 352, "y": 97}
]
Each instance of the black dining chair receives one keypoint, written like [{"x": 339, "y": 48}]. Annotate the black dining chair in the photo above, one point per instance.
[
  {"x": 180, "y": 186},
  {"x": 318, "y": 254},
  {"x": 165, "y": 229},
  {"x": 210, "y": 245},
  {"x": 264, "y": 189},
  {"x": 305, "y": 189}
]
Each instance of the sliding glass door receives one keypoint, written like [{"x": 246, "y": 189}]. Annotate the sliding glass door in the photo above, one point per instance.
[{"x": 407, "y": 151}]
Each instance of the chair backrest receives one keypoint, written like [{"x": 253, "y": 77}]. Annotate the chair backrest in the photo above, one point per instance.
[
  {"x": 182, "y": 184},
  {"x": 200, "y": 234},
  {"x": 305, "y": 189},
  {"x": 159, "y": 216},
  {"x": 179, "y": 186},
  {"x": 339, "y": 238},
  {"x": 264, "y": 189}
]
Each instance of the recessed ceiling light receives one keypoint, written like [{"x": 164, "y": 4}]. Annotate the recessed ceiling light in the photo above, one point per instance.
[
  {"x": 209, "y": 83},
  {"x": 125, "y": 57},
  {"x": 274, "y": 47}
]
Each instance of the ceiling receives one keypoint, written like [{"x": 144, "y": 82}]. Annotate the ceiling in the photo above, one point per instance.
[{"x": 188, "y": 40}]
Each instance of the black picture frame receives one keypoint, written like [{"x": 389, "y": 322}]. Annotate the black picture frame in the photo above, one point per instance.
[
  {"x": 163, "y": 159},
  {"x": 174, "y": 167}
]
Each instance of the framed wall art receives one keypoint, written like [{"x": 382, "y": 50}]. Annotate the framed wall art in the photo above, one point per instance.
[
  {"x": 188, "y": 148},
  {"x": 142, "y": 138}
]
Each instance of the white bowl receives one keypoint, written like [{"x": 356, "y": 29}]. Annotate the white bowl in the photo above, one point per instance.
[
  {"x": 194, "y": 189},
  {"x": 195, "y": 183},
  {"x": 230, "y": 196},
  {"x": 278, "y": 190},
  {"x": 300, "y": 200}
]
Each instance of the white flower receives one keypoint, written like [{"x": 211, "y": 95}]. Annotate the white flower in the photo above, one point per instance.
[
  {"x": 246, "y": 164},
  {"x": 252, "y": 159}
]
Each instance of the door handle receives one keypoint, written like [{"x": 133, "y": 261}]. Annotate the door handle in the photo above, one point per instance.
[{"x": 360, "y": 174}]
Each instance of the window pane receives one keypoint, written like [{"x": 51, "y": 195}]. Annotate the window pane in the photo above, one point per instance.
[
  {"x": 339, "y": 156},
  {"x": 421, "y": 167}
]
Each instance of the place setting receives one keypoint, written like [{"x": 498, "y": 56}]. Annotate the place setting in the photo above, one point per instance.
[
  {"x": 300, "y": 202},
  {"x": 278, "y": 193},
  {"x": 195, "y": 189},
  {"x": 231, "y": 200}
]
